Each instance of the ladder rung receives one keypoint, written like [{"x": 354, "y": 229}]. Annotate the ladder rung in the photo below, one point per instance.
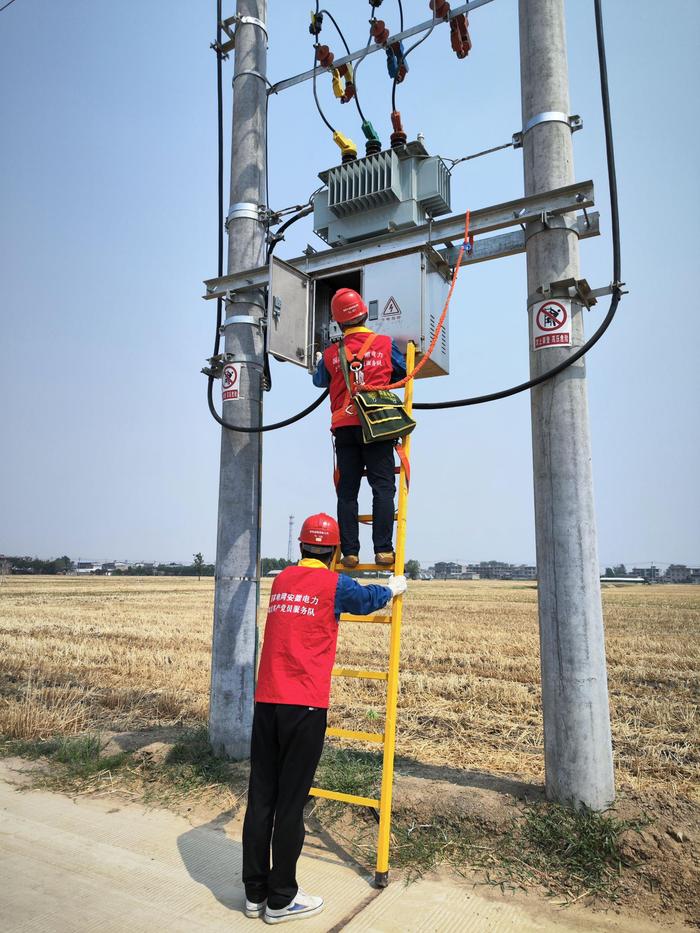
[
  {"x": 346, "y": 798},
  {"x": 383, "y": 567},
  {"x": 367, "y": 519},
  {"x": 361, "y": 736},
  {"x": 349, "y": 617},
  {"x": 351, "y": 672}
]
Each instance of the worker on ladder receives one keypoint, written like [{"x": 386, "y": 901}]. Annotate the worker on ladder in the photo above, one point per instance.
[
  {"x": 374, "y": 362},
  {"x": 291, "y": 706}
]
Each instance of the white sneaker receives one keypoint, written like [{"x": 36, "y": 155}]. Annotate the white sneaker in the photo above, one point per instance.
[
  {"x": 303, "y": 905},
  {"x": 254, "y": 910}
]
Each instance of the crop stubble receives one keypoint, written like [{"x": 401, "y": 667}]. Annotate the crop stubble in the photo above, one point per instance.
[{"x": 129, "y": 653}]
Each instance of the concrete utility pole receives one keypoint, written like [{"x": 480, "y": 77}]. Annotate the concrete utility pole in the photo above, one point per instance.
[
  {"x": 237, "y": 570},
  {"x": 578, "y": 750}
]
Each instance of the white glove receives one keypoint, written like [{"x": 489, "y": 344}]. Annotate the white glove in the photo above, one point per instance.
[
  {"x": 319, "y": 357},
  {"x": 397, "y": 585}
]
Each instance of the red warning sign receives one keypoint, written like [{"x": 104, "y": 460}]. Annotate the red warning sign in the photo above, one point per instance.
[
  {"x": 551, "y": 324},
  {"x": 230, "y": 378}
]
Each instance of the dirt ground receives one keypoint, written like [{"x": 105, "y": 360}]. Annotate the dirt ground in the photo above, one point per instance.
[{"x": 131, "y": 655}]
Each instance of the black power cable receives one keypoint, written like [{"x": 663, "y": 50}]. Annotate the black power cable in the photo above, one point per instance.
[
  {"x": 407, "y": 53},
  {"x": 220, "y": 266},
  {"x": 617, "y": 261}
]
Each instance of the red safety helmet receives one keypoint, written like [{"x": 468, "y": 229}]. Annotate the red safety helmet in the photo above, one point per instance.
[
  {"x": 320, "y": 530},
  {"x": 347, "y": 306}
]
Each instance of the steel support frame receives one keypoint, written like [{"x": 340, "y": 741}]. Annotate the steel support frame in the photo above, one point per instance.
[{"x": 539, "y": 208}]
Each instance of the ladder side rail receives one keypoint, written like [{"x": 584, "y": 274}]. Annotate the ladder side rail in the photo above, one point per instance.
[{"x": 382, "y": 871}]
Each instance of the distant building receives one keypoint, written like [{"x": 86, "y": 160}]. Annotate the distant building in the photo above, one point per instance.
[
  {"x": 86, "y": 566},
  {"x": 677, "y": 573},
  {"x": 524, "y": 572},
  {"x": 651, "y": 574},
  {"x": 448, "y": 570}
]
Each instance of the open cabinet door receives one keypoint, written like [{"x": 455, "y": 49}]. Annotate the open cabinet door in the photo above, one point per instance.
[{"x": 288, "y": 308}]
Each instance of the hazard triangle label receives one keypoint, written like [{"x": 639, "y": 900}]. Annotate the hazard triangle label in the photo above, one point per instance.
[{"x": 391, "y": 308}]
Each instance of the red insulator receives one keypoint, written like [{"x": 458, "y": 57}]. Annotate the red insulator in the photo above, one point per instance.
[
  {"x": 440, "y": 7},
  {"x": 380, "y": 32},
  {"x": 396, "y": 121},
  {"x": 459, "y": 35},
  {"x": 349, "y": 92},
  {"x": 324, "y": 56}
]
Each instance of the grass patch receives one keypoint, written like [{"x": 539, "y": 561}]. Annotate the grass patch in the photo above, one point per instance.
[
  {"x": 572, "y": 851},
  {"x": 349, "y": 772},
  {"x": 187, "y": 771},
  {"x": 28, "y": 748},
  {"x": 422, "y": 847},
  {"x": 191, "y": 767}
]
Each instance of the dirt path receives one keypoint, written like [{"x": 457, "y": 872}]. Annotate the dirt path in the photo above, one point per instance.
[{"x": 85, "y": 864}]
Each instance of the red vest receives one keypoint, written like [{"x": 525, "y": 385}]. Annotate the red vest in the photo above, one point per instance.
[
  {"x": 300, "y": 638},
  {"x": 376, "y": 371}
]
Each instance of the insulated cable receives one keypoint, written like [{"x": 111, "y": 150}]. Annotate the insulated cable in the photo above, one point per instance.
[
  {"x": 318, "y": 105},
  {"x": 347, "y": 49},
  {"x": 617, "y": 261}
]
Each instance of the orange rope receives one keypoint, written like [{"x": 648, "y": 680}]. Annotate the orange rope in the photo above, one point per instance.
[{"x": 426, "y": 356}]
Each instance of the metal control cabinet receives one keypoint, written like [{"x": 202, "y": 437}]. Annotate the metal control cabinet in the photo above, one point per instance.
[{"x": 405, "y": 296}]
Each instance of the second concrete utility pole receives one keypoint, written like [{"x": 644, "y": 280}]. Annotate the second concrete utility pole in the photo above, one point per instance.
[{"x": 578, "y": 750}]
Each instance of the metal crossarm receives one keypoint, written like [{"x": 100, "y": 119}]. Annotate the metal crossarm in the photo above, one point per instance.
[{"x": 391, "y": 676}]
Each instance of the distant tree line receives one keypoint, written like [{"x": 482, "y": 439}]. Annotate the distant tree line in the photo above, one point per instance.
[
  {"x": 273, "y": 563},
  {"x": 166, "y": 570},
  {"x": 35, "y": 565}
]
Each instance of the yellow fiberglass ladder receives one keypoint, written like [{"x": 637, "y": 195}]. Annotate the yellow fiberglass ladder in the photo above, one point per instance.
[{"x": 391, "y": 676}]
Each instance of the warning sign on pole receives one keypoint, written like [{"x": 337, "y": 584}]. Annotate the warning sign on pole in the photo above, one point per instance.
[
  {"x": 551, "y": 324},
  {"x": 230, "y": 381}
]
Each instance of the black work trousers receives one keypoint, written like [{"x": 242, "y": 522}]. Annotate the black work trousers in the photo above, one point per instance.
[
  {"x": 352, "y": 456},
  {"x": 285, "y": 748}
]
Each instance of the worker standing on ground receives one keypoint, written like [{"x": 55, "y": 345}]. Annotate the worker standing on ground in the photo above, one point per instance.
[
  {"x": 291, "y": 706},
  {"x": 374, "y": 362}
]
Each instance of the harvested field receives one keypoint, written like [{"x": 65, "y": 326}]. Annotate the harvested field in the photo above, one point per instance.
[{"x": 119, "y": 654}]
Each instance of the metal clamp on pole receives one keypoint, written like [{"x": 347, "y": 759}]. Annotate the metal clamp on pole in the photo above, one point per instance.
[
  {"x": 248, "y": 319},
  {"x": 255, "y": 74},
  {"x": 229, "y": 27},
  {"x": 245, "y": 210},
  {"x": 549, "y": 221},
  {"x": 574, "y": 122}
]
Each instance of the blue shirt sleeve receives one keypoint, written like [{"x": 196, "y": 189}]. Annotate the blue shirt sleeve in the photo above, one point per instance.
[
  {"x": 398, "y": 363},
  {"x": 359, "y": 600},
  {"x": 320, "y": 378}
]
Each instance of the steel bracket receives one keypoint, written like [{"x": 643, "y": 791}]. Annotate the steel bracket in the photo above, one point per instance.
[
  {"x": 578, "y": 289},
  {"x": 230, "y": 25},
  {"x": 217, "y": 363},
  {"x": 574, "y": 122}
]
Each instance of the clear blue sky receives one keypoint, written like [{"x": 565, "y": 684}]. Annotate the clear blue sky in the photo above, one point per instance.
[{"x": 108, "y": 226}]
